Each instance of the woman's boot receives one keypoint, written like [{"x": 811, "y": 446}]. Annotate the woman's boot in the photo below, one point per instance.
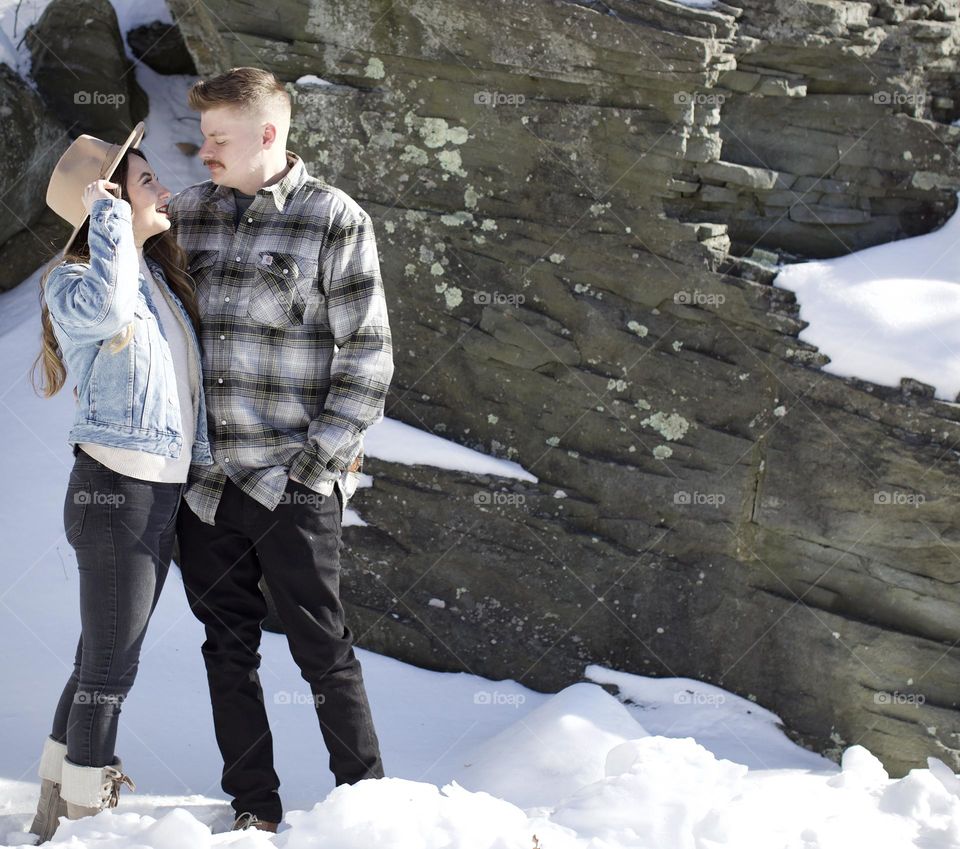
[
  {"x": 51, "y": 805},
  {"x": 88, "y": 790}
]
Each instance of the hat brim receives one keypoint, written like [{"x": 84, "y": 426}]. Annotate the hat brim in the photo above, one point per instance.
[{"x": 132, "y": 142}]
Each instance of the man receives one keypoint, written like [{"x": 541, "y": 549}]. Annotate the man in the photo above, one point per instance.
[{"x": 297, "y": 361}]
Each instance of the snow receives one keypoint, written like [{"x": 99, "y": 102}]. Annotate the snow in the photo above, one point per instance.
[
  {"x": 471, "y": 763},
  {"x": 14, "y": 23},
  {"x": 887, "y": 312},
  {"x": 313, "y": 79},
  {"x": 170, "y": 122},
  {"x": 400, "y": 443}
]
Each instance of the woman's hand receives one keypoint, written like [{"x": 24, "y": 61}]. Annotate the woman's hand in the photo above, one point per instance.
[{"x": 99, "y": 189}]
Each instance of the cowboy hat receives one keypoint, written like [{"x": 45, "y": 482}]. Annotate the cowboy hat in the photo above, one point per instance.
[{"x": 86, "y": 160}]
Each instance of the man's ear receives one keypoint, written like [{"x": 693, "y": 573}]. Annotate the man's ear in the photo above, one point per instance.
[{"x": 269, "y": 135}]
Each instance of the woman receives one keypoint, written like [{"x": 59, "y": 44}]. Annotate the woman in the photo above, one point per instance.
[{"x": 119, "y": 315}]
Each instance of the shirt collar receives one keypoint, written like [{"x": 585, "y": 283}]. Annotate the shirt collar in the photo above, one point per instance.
[{"x": 295, "y": 177}]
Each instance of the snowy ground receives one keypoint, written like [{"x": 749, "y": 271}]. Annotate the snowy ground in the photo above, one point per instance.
[{"x": 667, "y": 764}]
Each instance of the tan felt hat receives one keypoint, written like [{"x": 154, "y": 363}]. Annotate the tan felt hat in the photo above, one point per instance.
[{"x": 86, "y": 160}]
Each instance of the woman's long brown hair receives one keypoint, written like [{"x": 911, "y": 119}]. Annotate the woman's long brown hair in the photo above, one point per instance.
[{"x": 162, "y": 248}]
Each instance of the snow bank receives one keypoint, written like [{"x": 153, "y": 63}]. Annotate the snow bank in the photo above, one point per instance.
[{"x": 887, "y": 312}]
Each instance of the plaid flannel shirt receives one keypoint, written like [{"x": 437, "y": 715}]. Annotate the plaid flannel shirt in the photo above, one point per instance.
[{"x": 297, "y": 351}]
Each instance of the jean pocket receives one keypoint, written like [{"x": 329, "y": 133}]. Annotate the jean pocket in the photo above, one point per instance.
[{"x": 78, "y": 499}]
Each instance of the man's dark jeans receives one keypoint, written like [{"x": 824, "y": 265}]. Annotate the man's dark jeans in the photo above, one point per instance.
[
  {"x": 296, "y": 548},
  {"x": 122, "y": 530}
]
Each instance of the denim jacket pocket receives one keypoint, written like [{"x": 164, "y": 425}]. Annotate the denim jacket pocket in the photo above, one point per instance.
[{"x": 281, "y": 286}]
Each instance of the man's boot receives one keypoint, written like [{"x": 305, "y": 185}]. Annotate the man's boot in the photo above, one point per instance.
[{"x": 247, "y": 820}]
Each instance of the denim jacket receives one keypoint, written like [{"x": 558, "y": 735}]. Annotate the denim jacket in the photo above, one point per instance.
[{"x": 126, "y": 399}]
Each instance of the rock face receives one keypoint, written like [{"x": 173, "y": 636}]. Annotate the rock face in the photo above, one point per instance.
[
  {"x": 81, "y": 69},
  {"x": 160, "y": 47},
  {"x": 32, "y": 143},
  {"x": 580, "y": 208}
]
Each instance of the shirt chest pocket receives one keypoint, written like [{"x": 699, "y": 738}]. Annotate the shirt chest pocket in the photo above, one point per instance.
[
  {"x": 281, "y": 289},
  {"x": 201, "y": 268}
]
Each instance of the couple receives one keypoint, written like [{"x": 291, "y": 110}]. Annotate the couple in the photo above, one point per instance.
[{"x": 229, "y": 345}]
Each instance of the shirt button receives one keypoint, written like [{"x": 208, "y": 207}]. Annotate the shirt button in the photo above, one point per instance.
[
  {"x": 238, "y": 259},
  {"x": 222, "y": 336},
  {"x": 286, "y": 271},
  {"x": 227, "y": 299},
  {"x": 219, "y": 380},
  {"x": 223, "y": 421},
  {"x": 249, "y": 221}
]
